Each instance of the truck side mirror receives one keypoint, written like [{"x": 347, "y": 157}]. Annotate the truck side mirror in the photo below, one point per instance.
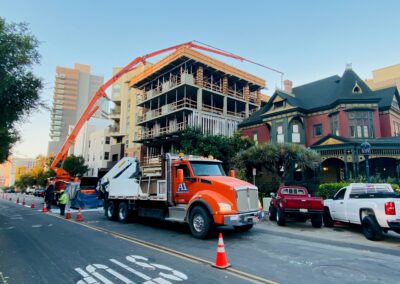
[
  {"x": 180, "y": 176},
  {"x": 272, "y": 195},
  {"x": 232, "y": 173}
]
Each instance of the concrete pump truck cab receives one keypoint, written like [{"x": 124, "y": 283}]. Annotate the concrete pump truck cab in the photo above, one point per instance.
[{"x": 187, "y": 189}]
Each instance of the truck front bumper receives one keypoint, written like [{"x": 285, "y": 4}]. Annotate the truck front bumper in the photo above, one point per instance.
[{"x": 243, "y": 218}]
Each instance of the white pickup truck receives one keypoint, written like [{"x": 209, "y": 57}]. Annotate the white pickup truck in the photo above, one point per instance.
[{"x": 373, "y": 206}]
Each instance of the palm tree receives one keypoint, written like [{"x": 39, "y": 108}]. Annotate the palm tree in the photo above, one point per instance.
[{"x": 279, "y": 159}]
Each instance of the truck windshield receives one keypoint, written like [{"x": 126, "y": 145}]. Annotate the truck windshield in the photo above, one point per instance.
[{"x": 207, "y": 169}]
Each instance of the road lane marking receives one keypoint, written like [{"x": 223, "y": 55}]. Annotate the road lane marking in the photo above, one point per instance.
[
  {"x": 138, "y": 273},
  {"x": 36, "y": 226},
  {"x": 3, "y": 279},
  {"x": 86, "y": 277},
  {"x": 188, "y": 257}
]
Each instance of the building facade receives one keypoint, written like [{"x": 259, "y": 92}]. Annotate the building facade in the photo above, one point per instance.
[
  {"x": 334, "y": 116},
  {"x": 19, "y": 166},
  {"x": 73, "y": 88},
  {"x": 98, "y": 154},
  {"x": 124, "y": 114},
  {"x": 190, "y": 89}
]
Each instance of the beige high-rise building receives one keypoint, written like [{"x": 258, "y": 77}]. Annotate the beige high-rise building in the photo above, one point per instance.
[
  {"x": 73, "y": 89},
  {"x": 124, "y": 115},
  {"x": 385, "y": 77}
]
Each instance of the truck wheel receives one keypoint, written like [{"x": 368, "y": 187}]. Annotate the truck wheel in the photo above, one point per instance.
[
  {"x": 316, "y": 220},
  {"x": 244, "y": 228},
  {"x": 200, "y": 222},
  {"x": 272, "y": 213},
  {"x": 280, "y": 217},
  {"x": 123, "y": 212},
  {"x": 371, "y": 229},
  {"x": 328, "y": 221},
  {"x": 111, "y": 211}
]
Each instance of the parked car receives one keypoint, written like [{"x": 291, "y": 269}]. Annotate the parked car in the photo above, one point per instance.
[
  {"x": 373, "y": 206},
  {"x": 30, "y": 190},
  {"x": 296, "y": 203},
  {"x": 10, "y": 190},
  {"x": 39, "y": 192}
]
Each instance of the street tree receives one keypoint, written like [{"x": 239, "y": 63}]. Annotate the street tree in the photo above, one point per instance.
[
  {"x": 278, "y": 159},
  {"x": 75, "y": 165},
  {"x": 223, "y": 148},
  {"x": 19, "y": 87}
]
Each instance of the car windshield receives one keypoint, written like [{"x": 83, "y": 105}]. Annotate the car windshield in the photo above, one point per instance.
[
  {"x": 207, "y": 169},
  {"x": 372, "y": 189},
  {"x": 294, "y": 191}
]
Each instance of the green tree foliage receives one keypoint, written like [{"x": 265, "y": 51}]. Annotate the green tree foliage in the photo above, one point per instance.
[
  {"x": 279, "y": 159},
  {"x": 19, "y": 88},
  {"x": 75, "y": 165},
  {"x": 220, "y": 147}
]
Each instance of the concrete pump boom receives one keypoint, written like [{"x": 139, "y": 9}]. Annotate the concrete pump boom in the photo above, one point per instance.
[{"x": 91, "y": 108}]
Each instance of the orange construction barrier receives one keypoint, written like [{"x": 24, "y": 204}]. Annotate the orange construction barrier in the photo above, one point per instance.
[
  {"x": 79, "y": 217},
  {"x": 68, "y": 214},
  {"x": 221, "y": 260},
  {"x": 32, "y": 205},
  {"x": 44, "y": 208}
]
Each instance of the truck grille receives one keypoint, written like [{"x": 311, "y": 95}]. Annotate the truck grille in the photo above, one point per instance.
[{"x": 247, "y": 199}]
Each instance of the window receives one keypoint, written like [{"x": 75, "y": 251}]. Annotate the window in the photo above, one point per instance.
[
  {"x": 89, "y": 144},
  {"x": 335, "y": 124},
  {"x": 357, "y": 89},
  {"x": 360, "y": 124},
  {"x": 317, "y": 130},
  {"x": 280, "y": 136},
  {"x": 207, "y": 169},
  {"x": 186, "y": 174},
  {"x": 255, "y": 137},
  {"x": 296, "y": 132},
  {"x": 279, "y": 104},
  {"x": 106, "y": 155},
  {"x": 295, "y": 191},
  {"x": 340, "y": 194},
  {"x": 107, "y": 140}
]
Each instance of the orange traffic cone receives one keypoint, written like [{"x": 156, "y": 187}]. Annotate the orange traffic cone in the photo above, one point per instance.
[
  {"x": 23, "y": 202},
  {"x": 79, "y": 217},
  {"x": 44, "y": 208},
  {"x": 17, "y": 200},
  {"x": 32, "y": 205},
  {"x": 68, "y": 214},
  {"x": 221, "y": 260}
]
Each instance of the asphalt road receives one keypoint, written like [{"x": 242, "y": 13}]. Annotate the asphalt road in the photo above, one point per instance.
[{"x": 42, "y": 248}]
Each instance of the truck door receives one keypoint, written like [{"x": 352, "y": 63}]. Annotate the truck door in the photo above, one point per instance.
[
  {"x": 181, "y": 191},
  {"x": 338, "y": 206}
]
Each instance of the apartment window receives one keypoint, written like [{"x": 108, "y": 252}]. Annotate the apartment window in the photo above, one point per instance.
[
  {"x": 296, "y": 132},
  {"x": 126, "y": 143},
  {"x": 317, "y": 130},
  {"x": 280, "y": 136},
  {"x": 360, "y": 124},
  {"x": 334, "y": 120},
  {"x": 106, "y": 155},
  {"x": 89, "y": 144},
  {"x": 107, "y": 140},
  {"x": 255, "y": 137}
]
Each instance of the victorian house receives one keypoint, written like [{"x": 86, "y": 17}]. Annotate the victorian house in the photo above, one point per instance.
[{"x": 334, "y": 116}]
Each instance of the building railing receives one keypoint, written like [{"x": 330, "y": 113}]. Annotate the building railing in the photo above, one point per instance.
[
  {"x": 212, "y": 109},
  {"x": 156, "y": 131},
  {"x": 236, "y": 114},
  {"x": 185, "y": 102}
]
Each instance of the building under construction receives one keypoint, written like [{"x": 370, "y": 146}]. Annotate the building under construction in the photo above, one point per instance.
[{"x": 190, "y": 89}]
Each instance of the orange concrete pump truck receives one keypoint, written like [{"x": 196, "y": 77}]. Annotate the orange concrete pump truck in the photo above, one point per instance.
[{"x": 188, "y": 189}]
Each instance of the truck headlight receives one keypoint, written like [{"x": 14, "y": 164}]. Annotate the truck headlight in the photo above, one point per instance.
[{"x": 224, "y": 207}]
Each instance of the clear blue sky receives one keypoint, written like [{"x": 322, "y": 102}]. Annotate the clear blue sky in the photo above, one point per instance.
[{"x": 307, "y": 40}]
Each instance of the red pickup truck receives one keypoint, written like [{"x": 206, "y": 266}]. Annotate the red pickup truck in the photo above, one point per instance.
[{"x": 295, "y": 202}]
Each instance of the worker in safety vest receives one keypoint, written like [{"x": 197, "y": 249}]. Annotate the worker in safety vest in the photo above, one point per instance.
[{"x": 62, "y": 201}]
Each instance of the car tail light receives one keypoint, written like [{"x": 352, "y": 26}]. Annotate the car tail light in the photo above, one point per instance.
[{"x": 390, "y": 209}]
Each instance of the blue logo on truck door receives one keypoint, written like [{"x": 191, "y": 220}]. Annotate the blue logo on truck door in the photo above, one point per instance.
[{"x": 182, "y": 188}]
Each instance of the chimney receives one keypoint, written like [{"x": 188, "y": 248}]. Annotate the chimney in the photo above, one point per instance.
[{"x": 287, "y": 86}]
